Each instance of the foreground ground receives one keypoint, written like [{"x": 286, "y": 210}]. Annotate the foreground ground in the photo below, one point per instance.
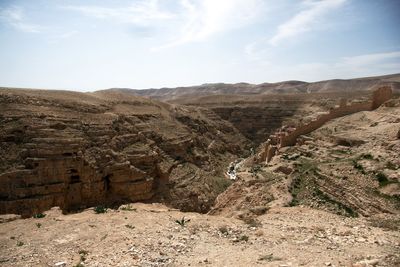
[{"x": 148, "y": 235}]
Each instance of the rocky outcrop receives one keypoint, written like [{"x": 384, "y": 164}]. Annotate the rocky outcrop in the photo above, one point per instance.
[{"x": 77, "y": 150}]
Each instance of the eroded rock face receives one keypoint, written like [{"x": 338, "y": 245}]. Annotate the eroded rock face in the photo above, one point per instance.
[{"x": 76, "y": 150}]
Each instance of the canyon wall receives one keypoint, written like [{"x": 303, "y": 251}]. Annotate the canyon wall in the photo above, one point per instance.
[{"x": 76, "y": 150}]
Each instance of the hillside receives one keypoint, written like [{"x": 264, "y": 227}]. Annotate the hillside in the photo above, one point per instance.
[{"x": 181, "y": 94}]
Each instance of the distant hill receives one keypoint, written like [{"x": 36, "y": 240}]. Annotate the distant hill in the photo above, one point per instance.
[{"x": 336, "y": 85}]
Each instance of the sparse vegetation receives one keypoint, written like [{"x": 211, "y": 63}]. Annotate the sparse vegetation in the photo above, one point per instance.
[
  {"x": 100, "y": 209},
  {"x": 388, "y": 224},
  {"x": 366, "y": 156},
  {"x": 83, "y": 253},
  {"x": 251, "y": 221},
  {"x": 182, "y": 222},
  {"x": 38, "y": 225},
  {"x": 358, "y": 166},
  {"x": 244, "y": 238},
  {"x": 129, "y": 226},
  {"x": 39, "y": 215},
  {"x": 391, "y": 166},
  {"x": 223, "y": 229},
  {"x": 20, "y": 243},
  {"x": 218, "y": 183},
  {"x": 269, "y": 257},
  {"x": 306, "y": 166},
  {"x": 128, "y": 208},
  {"x": 382, "y": 179},
  {"x": 349, "y": 212}
]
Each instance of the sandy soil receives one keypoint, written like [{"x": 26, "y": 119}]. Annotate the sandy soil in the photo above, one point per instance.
[{"x": 147, "y": 235}]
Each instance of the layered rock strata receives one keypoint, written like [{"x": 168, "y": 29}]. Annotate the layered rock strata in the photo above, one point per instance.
[{"x": 77, "y": 150}]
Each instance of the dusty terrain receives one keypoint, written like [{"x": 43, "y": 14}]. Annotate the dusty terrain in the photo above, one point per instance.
[
  {"x": 331, "y": 198},
  {"x": 147, "y": 235}
]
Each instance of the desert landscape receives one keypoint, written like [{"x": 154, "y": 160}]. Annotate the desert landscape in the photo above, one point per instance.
[
  {"x": 220, "y": 133},
  {"x": 285, "y": 174}
]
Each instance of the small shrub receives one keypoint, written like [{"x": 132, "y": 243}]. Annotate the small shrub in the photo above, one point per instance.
[
  {"x": 382, "y": 179},
  {"x": 366, "y": 156},
  {"x": 83, "y": 253},
  {"x": 358, "y": 166},
  {"x": 252, "y": 222},
  {"x": 129, "y": 226},
  {"x": 128, "y": 208},
  {"x": 269, "y": 257},
  {"x": 38, "y": 225},
  {"x": 391, "y": 166},
  {"x": 100, "y": 209},
  {"x": 223, "y": 229},
  {"x": 182, "y": 222},
  {"x": 388, "y": 224},
  {"x": 244, "y": 238},
  {"x": 39, "y": 215},
  {"x": 294, "y": 202},
  {"x": 255, "y": 168},
  {"x": 20, "y": 243}
]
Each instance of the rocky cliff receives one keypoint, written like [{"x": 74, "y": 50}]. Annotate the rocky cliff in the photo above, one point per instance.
[{"x": 75, "y": 150}]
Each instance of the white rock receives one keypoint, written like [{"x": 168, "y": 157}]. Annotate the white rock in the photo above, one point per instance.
[{"x": 61, "y": 264}]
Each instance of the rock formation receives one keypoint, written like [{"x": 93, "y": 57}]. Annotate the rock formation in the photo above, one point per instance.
[{"x": 76, "y": 150}]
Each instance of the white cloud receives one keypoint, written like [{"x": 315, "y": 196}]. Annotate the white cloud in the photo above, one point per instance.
[
  {"x": 191, "y": 21},
  {"x": 142, "y": 12},
  {"x": 203, "y": 19},
  {"x": 15, "y": 17},
  {"x": 306, "y": 20}
]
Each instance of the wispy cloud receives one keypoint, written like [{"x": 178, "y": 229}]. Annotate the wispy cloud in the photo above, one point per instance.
[
  {"x": 189, "y": 20},
  {"x": 305, "y": 20},
  {"x": 15, "y": 17},
  {"x": 206, "y": 18},
  {"x": 142, "y": 12}
]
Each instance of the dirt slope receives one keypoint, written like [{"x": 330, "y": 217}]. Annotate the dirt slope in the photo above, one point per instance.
[{"x": 147, "y": 235}]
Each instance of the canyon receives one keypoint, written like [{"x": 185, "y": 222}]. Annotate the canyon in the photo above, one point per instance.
[{"x": 317, "y": 151}]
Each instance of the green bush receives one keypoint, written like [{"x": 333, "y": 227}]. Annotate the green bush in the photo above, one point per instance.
[
  {"x": 358, "y": 166},
  {"x": 244, "y": 238},
  {"x": 100, "y": 209},
  {"x": 382, "y": 179},
  {"x": 39, "y": 215},
  {"x": 182, "y": 222}
]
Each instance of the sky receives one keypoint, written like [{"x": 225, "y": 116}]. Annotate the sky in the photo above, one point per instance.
[{"x": 87, "y": 45}]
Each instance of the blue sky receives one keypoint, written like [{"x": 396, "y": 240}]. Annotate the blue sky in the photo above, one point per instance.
[{"x": 89, "y": 45}]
